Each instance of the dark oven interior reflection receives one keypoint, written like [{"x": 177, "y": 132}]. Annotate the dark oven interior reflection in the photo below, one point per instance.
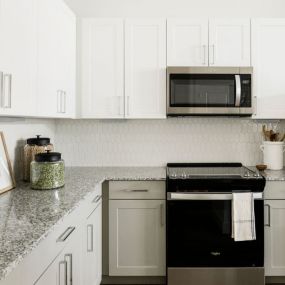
[{"x": 199, "y": 235}]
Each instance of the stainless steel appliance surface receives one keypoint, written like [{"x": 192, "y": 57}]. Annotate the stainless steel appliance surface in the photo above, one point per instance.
[
  {"x": 200, "y": 249},
  {"x": 209, "y": 91}
]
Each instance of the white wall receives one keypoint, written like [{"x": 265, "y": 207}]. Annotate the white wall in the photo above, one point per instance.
[
  {"x": 186, "y": 8},
  {"x": 16, "y": 131},
  {"x": 156, "y": 142}
]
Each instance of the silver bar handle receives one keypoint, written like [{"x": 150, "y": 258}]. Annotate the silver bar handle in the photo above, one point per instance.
[
  {"x": 162, "y": 214},
  {"x": 69, "y": 270},
  {"x": 7, "y": 91},
  {"x": 136, "y": 190},
  {"x": 62, "y": 274},
  {"x": 121, "y": 106},
  {"x": 207, "y": 196},
  {"x": 255, "y": 105},
  {"x": 63, "y": 237},
  {"x": 238, "y": 90},
  {"x": 1, "y": 90},
  {"x": 59, "y": 102},
  {"x": 63, "y": 102},
  {"x": 213, "y": 54},
  {"x": 90, "y": 238},
  {"x": 204, "y": 50},
  {"x": 128, "y": 105},
  {"x": 97, "y": 199},
  {"x": 268, "y": 224}
]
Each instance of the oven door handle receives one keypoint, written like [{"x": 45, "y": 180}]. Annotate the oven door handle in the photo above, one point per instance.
[
  {"x": 208, "y": 196},
  {"x": 238, "y": 90}
]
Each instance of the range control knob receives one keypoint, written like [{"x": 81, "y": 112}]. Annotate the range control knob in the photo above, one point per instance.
[
  {"x": 256, "y": 174},
  {"x": 247, "y": 174},
  {"x": 183, "y": 175}
]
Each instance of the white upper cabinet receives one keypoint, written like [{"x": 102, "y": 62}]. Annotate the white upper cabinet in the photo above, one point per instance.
[
  {"x": 229, "y": 42},
  {"x": 17, "y": 57},
  {"x": 268, "y": 60},
  {"x": 67, "y": 60},
  {"x": 102, "y": 72},
  {"x": 187, "y": 42},
  {"x": 214, "y": 42},
  {"x": 145, "y": 68},
  {"x": 56, "y": 59}
]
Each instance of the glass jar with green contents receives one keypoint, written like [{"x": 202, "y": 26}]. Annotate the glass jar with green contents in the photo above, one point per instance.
[{"x": 47, "y": 171}]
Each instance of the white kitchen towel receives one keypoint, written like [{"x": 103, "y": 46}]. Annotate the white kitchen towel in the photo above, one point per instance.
[{"x": 243, "y": 219}]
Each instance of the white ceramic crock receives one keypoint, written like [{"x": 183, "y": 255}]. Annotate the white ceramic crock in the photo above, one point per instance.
[{"x": 273, "y": 154}]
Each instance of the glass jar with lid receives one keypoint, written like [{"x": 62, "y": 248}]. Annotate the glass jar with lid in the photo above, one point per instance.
[
  {"x": 34, "y": 146},
  {"x": 47, "y": 171}
]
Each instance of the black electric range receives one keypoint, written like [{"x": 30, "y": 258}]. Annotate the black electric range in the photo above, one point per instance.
[{"x": 200, "y": 249}]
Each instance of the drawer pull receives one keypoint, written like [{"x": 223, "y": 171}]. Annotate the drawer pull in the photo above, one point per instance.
[
  {"x": 90, "y": 238},
  {"x": 69, "y": 272},
  {"x": 135, "y": 190},
  {"x": 97, "y": 199},
  {"x": 162, "y": 215},
  {"x": 66, "y": 234},
  {"x": 268, "y": 224},
  {"x": 62, "y": 276}
]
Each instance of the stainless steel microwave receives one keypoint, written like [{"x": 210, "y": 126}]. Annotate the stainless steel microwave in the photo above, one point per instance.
[{"x": 209, "y": 91}]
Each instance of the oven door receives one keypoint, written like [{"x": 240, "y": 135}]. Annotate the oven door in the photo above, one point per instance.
[
  {"x": 195, "y": 93},
  {"x": 199, "y": 232}
]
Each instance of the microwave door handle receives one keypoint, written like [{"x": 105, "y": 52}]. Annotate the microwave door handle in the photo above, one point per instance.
[{"x": 238, "y": 90}]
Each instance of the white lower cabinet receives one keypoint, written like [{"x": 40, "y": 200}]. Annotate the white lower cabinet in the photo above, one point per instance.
[
  {"x": 274, "y": 237},
  {"x": 92, "y": 248},
  {"x": 136, "y": 237},
  {"x": 66, "y": 268}
]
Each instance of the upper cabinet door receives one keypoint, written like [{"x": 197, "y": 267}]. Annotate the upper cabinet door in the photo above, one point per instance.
[
  {"x": 268, "y": 60},
  {"x": 187, "y": 42},
  {"x": 67, "y": 60},
  {"x": 102, "y": 72},
  {"x": 18, "y": 57},
  {"x": 56, "y": 59},
  {"x": 229, "y": 42},
  {"x": 145, "y": 68}
]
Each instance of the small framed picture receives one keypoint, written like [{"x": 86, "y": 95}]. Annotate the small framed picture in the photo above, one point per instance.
[{"x": 7, "y": 179}]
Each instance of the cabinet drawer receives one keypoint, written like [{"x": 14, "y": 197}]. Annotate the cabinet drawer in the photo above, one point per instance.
[
  {"x": 274, "y": 190},
  {"x": 136, "y": 190}
]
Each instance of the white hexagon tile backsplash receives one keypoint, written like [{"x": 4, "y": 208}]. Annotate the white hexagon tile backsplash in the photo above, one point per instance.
[{"x": 156, "y": 142}]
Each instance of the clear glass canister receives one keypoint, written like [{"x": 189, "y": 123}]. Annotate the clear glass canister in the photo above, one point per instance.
[
  {"x": 47, "y": 171},
  {"x": 34, "y": 146}
]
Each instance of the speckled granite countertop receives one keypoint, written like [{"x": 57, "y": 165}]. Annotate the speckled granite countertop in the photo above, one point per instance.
[
  {"x": 274, "y": 175},
  {"x": 28, "y": 216},
  {"x": 271, "y": 175}
]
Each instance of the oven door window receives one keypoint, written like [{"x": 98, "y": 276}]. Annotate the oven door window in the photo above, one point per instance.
[
  {"x": 199, "y": 235},
  {"x": 202, "y": 90}
]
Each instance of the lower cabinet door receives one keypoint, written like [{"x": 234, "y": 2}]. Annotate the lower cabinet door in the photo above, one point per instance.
[
  {"x": 274, "y": 237},
  {"x": 136, "y": 237},
  {"x": 92, "y": 248},
  {"x": 66, "y": 268}
]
